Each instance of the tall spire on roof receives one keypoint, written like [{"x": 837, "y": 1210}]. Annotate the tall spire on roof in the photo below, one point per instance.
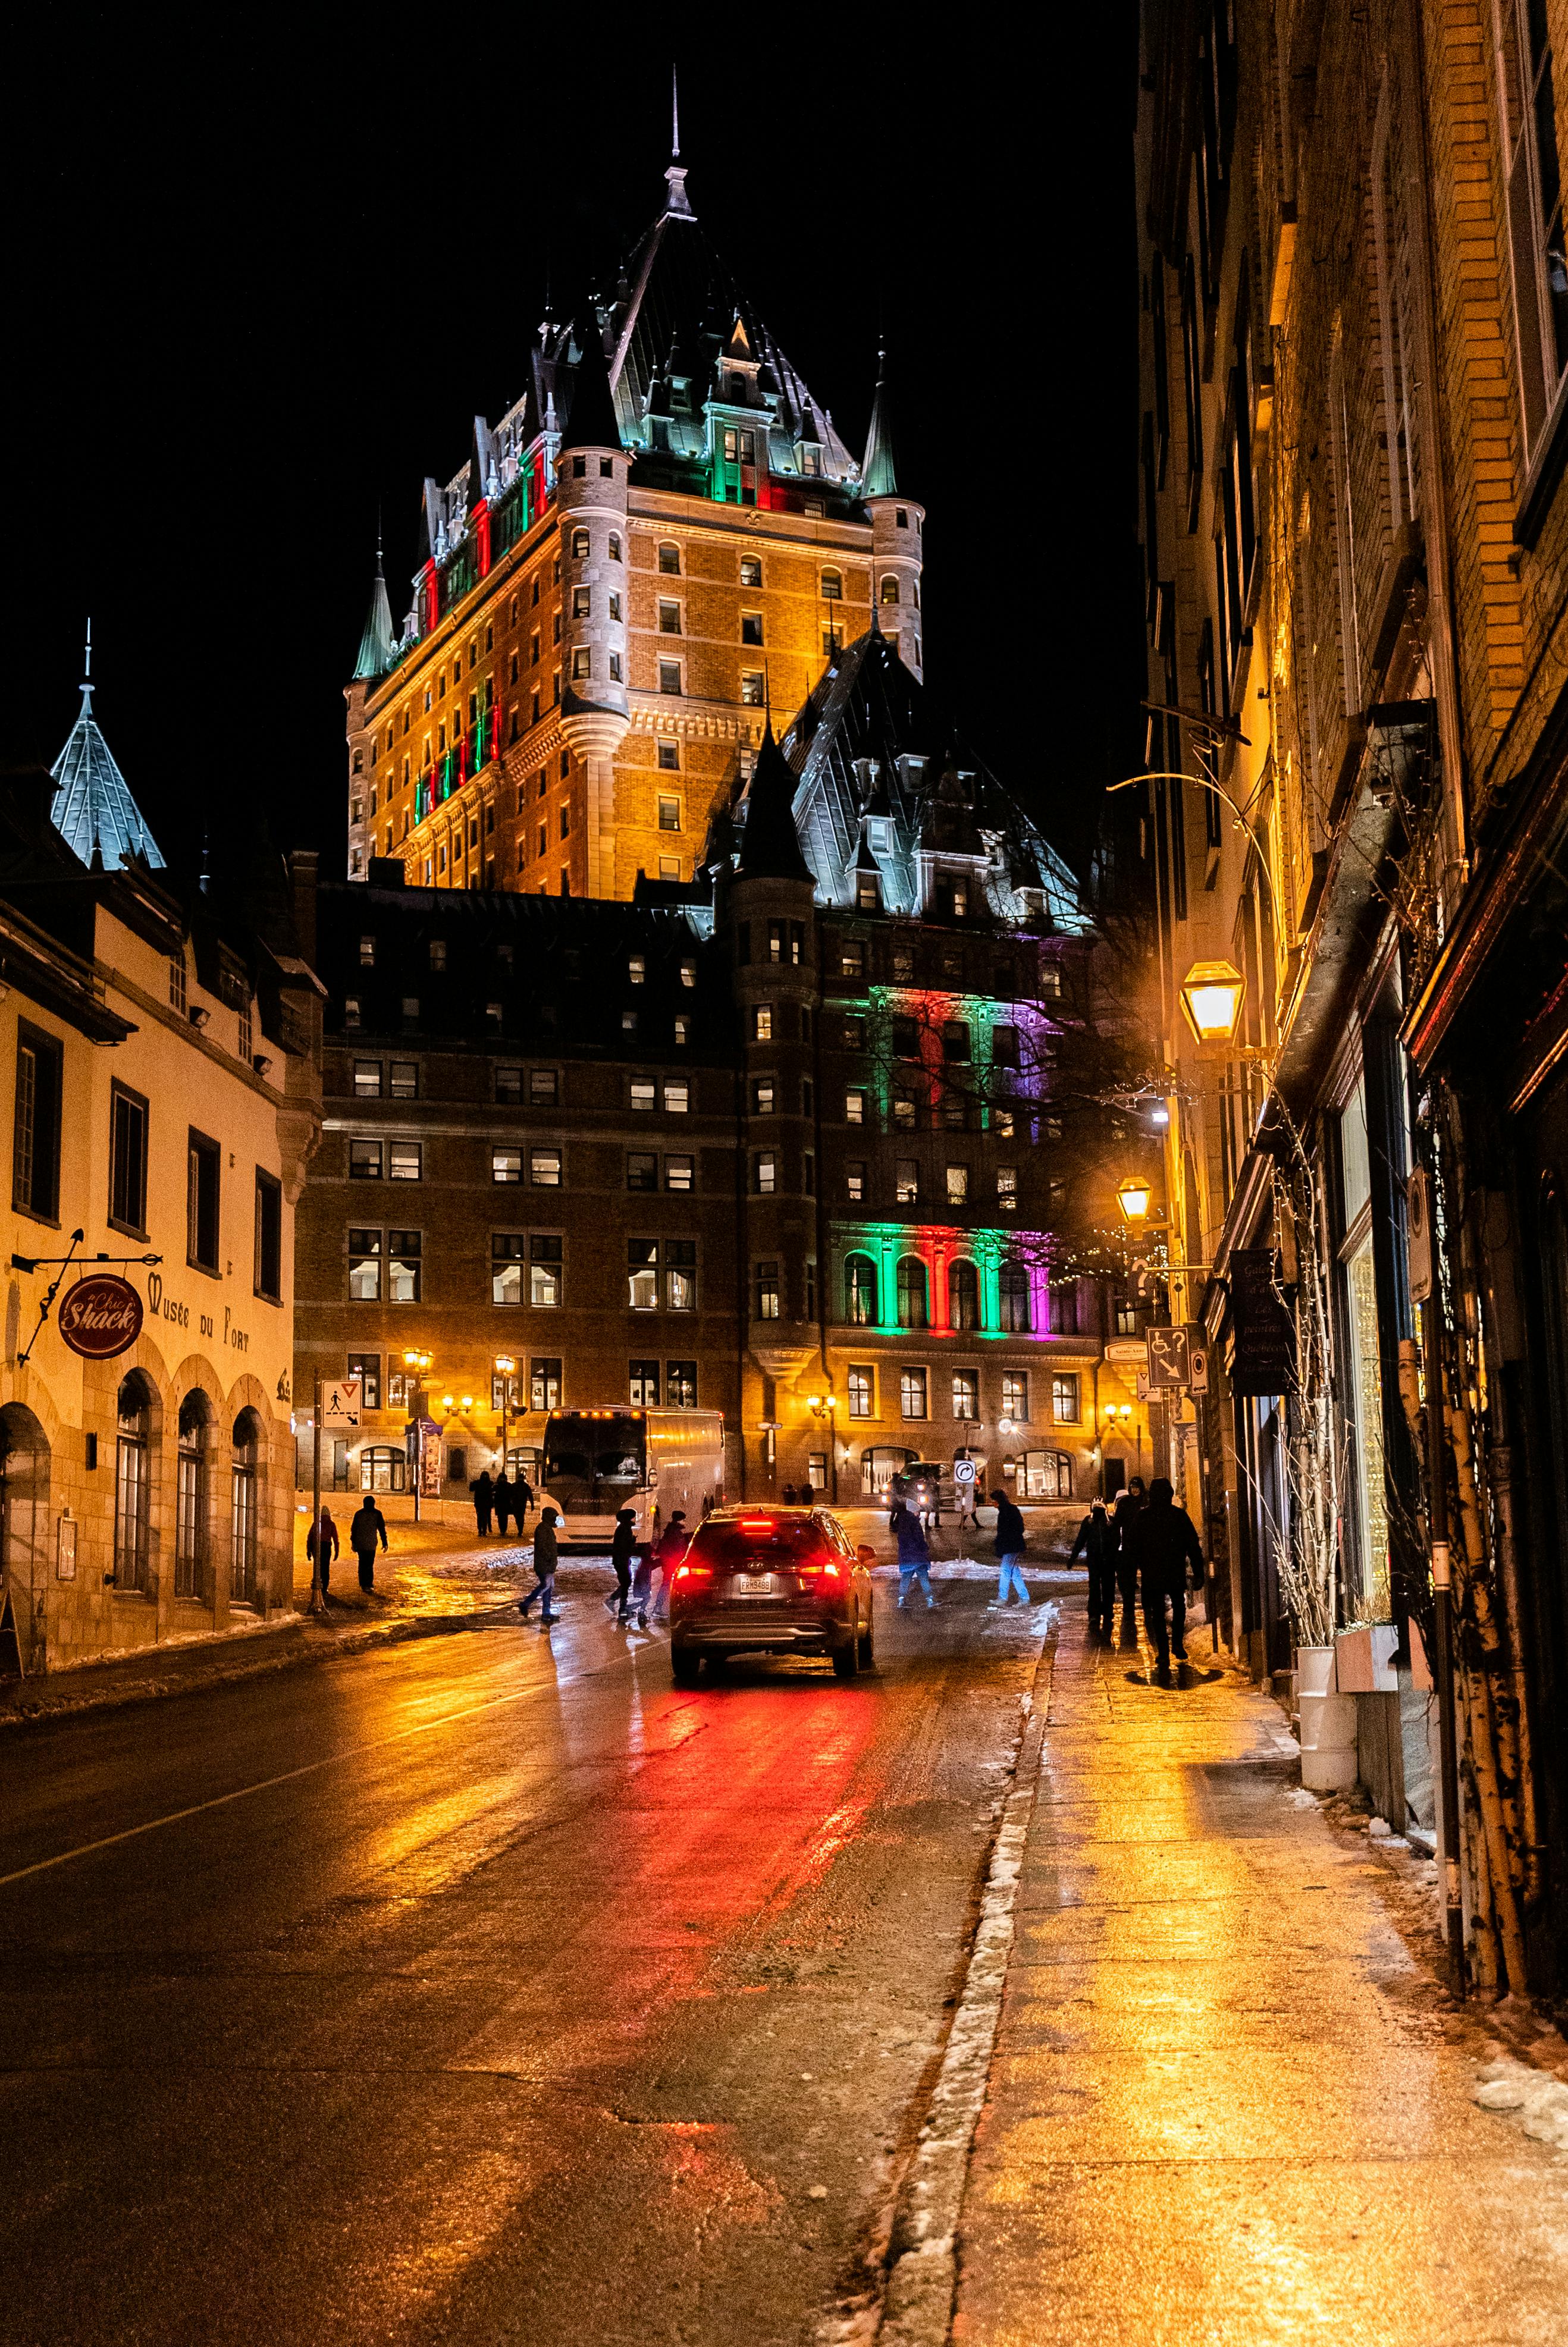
[
  {"x": 377, "y": 644},
  {"x": 770, "y": 844},
  {"x": 879, "y": 474},
  {"x": 94, "y": 811},
  {"x": 675, "y": 177},
  {"x": 591, "y": 423}
]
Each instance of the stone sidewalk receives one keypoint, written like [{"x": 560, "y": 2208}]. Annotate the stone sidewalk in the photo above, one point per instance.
[{"x": 1230, "y": 2099}]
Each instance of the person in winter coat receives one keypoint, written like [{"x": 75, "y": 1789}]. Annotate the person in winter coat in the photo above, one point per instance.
[
  {"x": 544, "y": 1570},
  {"x": 522, "y": 1499},
  {"x": 1010, "y": 1548},
  {"x": 914, "y": 1552},
  {"x": 667, "y": 1550},
  {"x": 1127, "y": 1507},
  {"x": 506, "y": 1502},
  {"x": 623, "y": 1549},
  {"x": 1162, "y": 1540},
  {"x": 484, "y": 1493},
  {"x": 367, "y": 1526},
  {"x": 1098, "y": 1546},
  {"x": 321, "y": 1546}
]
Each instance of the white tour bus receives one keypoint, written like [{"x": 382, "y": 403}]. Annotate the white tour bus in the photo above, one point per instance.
[{"x": 598, "y": 1462}]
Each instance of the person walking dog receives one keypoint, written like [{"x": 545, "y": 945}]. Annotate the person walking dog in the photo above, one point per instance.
[
  {"x": 544, "y": 1570},
  {"x": 367, "y": 1526},
  {"x": 1010, "y": 1542}
]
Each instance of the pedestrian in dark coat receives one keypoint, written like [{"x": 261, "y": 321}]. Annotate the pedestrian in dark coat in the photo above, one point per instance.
[
  {"x": 523, "y": 1494},
  {"x": 544, "y": 1570},
  {"x": 1098, "y": 1544},
  {"x": 506, "y": 1502},
  {"x": 484, "y": 1493},
  {"x": 914, "y": 1552},
  {"x": 1162, "y": 1540},
  {"x": 1010, "y": 1548},
  {"x": 1127, "y": 1507},
  {"x": 367, "y": 1526},
  {"x": 322, "y": 1537},
  {"x": 623, "y": 1548}
]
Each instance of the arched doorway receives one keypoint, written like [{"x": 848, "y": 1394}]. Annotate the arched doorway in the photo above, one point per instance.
[
  {"x": 243, "y": 1523},
  {"x": 23, "y": 1507},
  {"x": 133, "y": 1483},
  {"x": 193, "y": 1511}
]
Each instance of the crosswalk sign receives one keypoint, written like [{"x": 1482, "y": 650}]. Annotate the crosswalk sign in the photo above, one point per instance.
[{"x": 341, "y": 1402}]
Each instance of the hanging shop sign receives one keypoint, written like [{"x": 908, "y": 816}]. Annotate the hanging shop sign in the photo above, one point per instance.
[
  {"x": 1264, "y": 1360},
  {"x": 100, "y": 1317}
]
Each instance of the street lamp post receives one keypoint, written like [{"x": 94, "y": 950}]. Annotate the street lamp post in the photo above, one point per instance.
[
  {"x": 821, "y": 1406},
  {"x": 506, "y": 1365},
  {"x": 419, "y": 1363}
]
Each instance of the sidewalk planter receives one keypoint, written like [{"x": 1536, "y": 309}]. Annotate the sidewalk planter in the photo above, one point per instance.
[{"x": 1327, "y": 1724}]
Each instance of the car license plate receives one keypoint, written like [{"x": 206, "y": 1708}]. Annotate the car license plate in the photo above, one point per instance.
[{"x": 754, "y": 1584}]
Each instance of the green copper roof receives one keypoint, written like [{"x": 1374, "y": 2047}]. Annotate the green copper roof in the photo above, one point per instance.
[
  {"x": 880, "y": 473},
  {"x": 94, "y": 811},
  {"x": 378, "y": 645}
]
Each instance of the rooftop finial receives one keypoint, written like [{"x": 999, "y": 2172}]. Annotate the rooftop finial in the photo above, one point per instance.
[
  {"x": 675, "y": 177},
  {"x": 88, "y": 675}
]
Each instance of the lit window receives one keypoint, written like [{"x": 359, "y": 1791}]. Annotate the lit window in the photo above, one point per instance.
[
  {"x": 669, "y": 815},
  {"x": 862, "y": 1390},
  {"x": 762, "y": 1022},
  {"x": 751, "y": 570},
  {"x": 365, "y": 1161},
  {"x": 682, "y": 1029},
  {"x": 404, "y": 1249},
  {"x": 912, "y": 1393},
  {"x": 669, "y": 757},
  {"x": 668, "y": 867},
  {"x": 364, "y": 1267},
  {"x": 904, "y": 1112},
  {"x": 958, "y": 1185},
  {"x": 1006, "y": 1186},
  {"x": 506, "y": 1267},
  {"x": 544, "y": 1271},
  {"x": 1015, "y": 1396},
  {"x": 581, "y": 662},
  {"x": 889, "y": 588},
  {"x": 367, "y": 1078},
  {"x": 764, "y": 1174},
  {"x": 767, "y": 1291},
  {"x": 669, "y": 619},
  {"x": 406, "y": 1161},
  {"x": 832, "y": 586},
  {"x": 545, "y": 1168},
  {"x": 679, "y": 1274},
  {"x": 855, "y": 1105},
  {"x": 855, "y": 1181},
  {"x": 677, "y": 1098},
  {"x": 688, "y": 973},
  {"x": 404, "y": 1079},
  {"x": 581, "y": 600},
  {"x": 681, "y": 1385},
  {"x": 579, "y": 546},
  {"x": 679, "y": 1172},
  {"x": 544, "y": 1087},
  {"x": 642, "y": 1275},
  {"x": 753, "y": 690},
  {"x": 966, "y": 1394},
  {"x": 636, "y": 969},
  {"x": 851, "y": 957},
  {"x": 643, "y": 1385},
  {"x": 643, "y": 1093},
  {"x": 906, "y": 1185},
  {"x": 505, "y": 1164},
  {"x": 1064, "y": 1400}
]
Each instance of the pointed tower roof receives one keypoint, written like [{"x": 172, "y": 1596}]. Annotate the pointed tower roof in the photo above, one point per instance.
[
  {"x": 770, "y": 844},
  {"x": 94, "y": 811},
  {"x": 378, "y": 644},
  {"x": 591, "y": 423},
  {"x": 880, "y": 472},
  {"x": 478, "y": 464}
]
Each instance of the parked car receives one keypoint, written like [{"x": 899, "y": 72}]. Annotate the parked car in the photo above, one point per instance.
[{"x": 771, "y": 1581}]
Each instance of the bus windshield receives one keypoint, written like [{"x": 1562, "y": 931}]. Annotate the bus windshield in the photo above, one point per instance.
[{"x": 596, "y": 1454}]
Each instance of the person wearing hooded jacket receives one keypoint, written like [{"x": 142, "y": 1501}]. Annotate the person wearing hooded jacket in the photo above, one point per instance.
[
  {"x": 1128, "y": 1507},
  {"x": 623, "y": 1549},
  {"x": 1163, "y": 1542},
  {"x": 544, "y": 1570}
]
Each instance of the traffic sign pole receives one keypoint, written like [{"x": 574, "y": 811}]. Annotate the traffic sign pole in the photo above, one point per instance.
[{"x": 318, "y": 1603}]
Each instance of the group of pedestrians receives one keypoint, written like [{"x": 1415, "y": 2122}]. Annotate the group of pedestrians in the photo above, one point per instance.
[
  {"x": 367, "y": 1533},
  {"x": 1143, "y": 1546},
  {"x": 634, "y": 1564},
  {"x": 500, "y": 1498}
]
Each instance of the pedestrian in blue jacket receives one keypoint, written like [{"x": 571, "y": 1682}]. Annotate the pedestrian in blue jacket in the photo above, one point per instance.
[{"x": 914, "y": 1552}]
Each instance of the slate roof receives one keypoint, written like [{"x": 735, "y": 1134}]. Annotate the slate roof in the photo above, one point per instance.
[
  {"x": 879, "y": 473},
  {"x": 877, "y": 766},
  {"x": 378, "y": 645},
  {"x": 94, "y": 811},
  {"x": 770, "y": 844}
]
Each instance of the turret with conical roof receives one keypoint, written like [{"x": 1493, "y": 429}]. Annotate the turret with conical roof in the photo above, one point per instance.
[
  {"x": 377, "y": 645},
  {"x": 94, "y": 811},
  {"x": 770, "y": 844},
  {"x": 592, "y": 471},
  {"x": 897, "y": 528}
]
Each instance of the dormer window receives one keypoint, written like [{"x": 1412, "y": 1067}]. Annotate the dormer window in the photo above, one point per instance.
[
  {"x": 867, "y": 894},
  {"x": 810, "y": 462}
]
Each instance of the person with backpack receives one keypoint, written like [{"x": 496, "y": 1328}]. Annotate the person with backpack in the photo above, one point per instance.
[
  {"x": 1011, "y": 1542},
  {"x": 914, "y": 1552},
  {"x": 1162, "y": 1540},
  {"x": 1098, "y": 1545},
  {"x": 623, "y": 1549},
  {"x": 544, "y": 1571},
  {"x": 367, "y": 1526}
]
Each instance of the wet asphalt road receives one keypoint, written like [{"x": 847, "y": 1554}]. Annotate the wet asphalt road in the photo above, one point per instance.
[{"x": 487, "y": 1990}]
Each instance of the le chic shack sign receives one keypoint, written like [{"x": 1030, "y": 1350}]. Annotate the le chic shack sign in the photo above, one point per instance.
[{"x": 100, "y": 1317}]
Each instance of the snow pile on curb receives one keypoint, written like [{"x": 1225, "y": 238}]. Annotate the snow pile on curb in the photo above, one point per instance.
[{"x": 1534, "y": 2100}]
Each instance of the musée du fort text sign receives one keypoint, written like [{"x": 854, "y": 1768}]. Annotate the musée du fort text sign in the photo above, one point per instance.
[
  {"x": 1265, "y": 1337},
  {"x": 164, "y": 1306},
  {"x": 100, "y": 1317}
]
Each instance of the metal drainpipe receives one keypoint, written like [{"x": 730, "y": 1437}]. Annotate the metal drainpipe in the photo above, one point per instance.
[{"x": 1442, "y": 1585}]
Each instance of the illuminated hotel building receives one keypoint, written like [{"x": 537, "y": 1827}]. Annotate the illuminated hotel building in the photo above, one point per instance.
[{"x": 719, "y": 1069}]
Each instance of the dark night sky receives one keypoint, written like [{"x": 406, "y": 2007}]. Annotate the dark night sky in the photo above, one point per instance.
[{"x": 259, "y": 281}]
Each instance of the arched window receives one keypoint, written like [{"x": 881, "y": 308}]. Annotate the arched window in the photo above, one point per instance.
[
  {"x": 860, "y": 1292},
  {"x": 579, "y": 546},
  {"x": 24, "y": 1522},
  {"x": 963, "y": 1294},
  {"x": 615, "y": 546},
  {"x": 669, "y": 561},
  {"x": 914, "y": 1296},
  {"x": 832, "y": 586},
  {"x": 192, "y": 1495},
  {"x": 383, "y": 1469},
  {"x": 242, "y": 1524},
  {"x": 133, "y": 1483},
  {"x": 890, "y": 588},
  {"x": 1015, "y": 1299}
]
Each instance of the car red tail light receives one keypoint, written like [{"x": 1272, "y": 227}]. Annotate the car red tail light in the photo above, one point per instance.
[
  {"x": 829, "y": 1570},
  {"x": 693, "y": 1571},
  {"x": 757, "y": 1524}
]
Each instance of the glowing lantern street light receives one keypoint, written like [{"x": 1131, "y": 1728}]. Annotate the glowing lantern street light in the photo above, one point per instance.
[
  {"x": 505, "y": 1366},
  {"x": 1133, "y": 1198},
  {"x": 1212, "y": 997}
]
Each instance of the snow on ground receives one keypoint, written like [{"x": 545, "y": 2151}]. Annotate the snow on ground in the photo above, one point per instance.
[{"x": 1536, "y": 2101}]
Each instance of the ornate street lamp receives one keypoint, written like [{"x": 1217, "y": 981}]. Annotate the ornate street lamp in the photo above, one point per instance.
[
  {"x": 1212, "y": 994},
  {"x": 1132, "y": 1197},
  {"x": 419, "y": 1362},
  {"x": 505, "y": 1365}
]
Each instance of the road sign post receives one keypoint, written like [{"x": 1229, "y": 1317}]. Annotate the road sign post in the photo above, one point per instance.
[{"x": 318, "y": 1603}]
